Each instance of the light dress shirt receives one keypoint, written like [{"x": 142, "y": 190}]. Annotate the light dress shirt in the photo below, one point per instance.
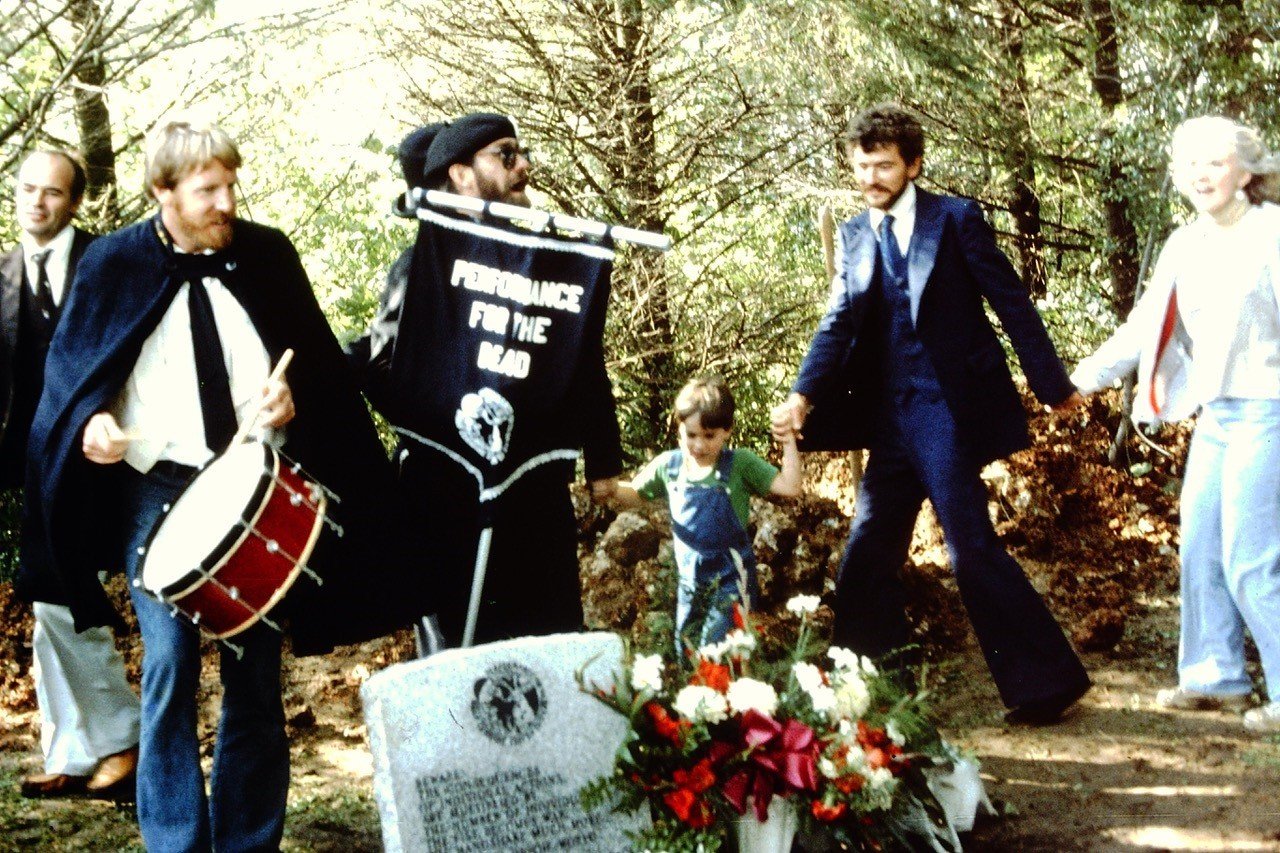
[
  {"x": 59, "y": 249},
  {"x": 160, "y": 402}
]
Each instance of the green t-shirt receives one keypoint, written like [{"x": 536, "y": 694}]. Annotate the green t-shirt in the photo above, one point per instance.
[{"x": 750, "y": 475}]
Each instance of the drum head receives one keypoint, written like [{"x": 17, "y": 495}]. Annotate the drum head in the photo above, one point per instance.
[{"x": 204, "y": 522}]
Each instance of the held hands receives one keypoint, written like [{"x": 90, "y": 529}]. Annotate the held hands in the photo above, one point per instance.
[
  {"x": 1075, "y": 401},
  {"x": 788, "y": 418},
  {"x": 103, "y": 441}
]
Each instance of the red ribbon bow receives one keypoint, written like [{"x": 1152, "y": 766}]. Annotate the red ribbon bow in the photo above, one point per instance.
[{"x": 779, "y": 755}]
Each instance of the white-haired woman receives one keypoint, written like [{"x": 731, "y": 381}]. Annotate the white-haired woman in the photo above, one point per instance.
[{"x": 1206, "y": 336}]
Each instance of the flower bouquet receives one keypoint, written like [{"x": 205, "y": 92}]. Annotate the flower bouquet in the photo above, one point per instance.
[{"x": 735, "y": 740}]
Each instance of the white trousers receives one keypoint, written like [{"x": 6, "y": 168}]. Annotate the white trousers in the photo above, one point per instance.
[
  {"x": 87, "y": 708},
  {"x": 1231, "y": 547}
]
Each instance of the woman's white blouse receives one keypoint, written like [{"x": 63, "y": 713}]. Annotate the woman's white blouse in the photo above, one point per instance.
[{"x": 1226, "y": 280}]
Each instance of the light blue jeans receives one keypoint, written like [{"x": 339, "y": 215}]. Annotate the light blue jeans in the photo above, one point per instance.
[
  {"x": 1231, "y": 547},
  {"x": 245, "y": 808}
]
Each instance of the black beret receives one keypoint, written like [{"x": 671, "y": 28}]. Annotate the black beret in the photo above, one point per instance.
[
  {"x": 413, "y": 153},
  {"x": 459, "y": 142}
]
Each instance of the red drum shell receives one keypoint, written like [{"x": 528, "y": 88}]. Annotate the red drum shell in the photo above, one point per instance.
[{"x": 243, "y": 578}]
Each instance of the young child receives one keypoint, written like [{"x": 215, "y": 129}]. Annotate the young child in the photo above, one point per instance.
[{"x": 709, "y": 488}]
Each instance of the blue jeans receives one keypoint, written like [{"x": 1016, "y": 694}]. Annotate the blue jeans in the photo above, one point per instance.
[
  {"x": 245, "y": 808},
  {"x": 1231, "y": 547}
]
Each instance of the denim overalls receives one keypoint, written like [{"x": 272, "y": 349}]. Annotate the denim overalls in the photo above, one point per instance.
[{"x": 713, "y": 553}]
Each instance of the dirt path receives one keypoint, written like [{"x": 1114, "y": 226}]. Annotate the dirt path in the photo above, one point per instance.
[{"x": 1118, "y": 774}]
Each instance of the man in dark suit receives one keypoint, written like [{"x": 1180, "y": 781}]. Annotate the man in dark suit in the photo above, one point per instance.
[
  {"x": 88, "y": 713},
  {"x": 906, "y": 364}
]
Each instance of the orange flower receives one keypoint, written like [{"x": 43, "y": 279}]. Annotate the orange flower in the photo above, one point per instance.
[
  {"x": 869, "y": 737},
  {"x": 828, "y": 813},
  {"x": 667, "y": 726},
  {"x": 877, "y": 758},
  {"x": 689, "y": 808},
  {"x": 850, "y": 784},
  {"x": 713, "y": 675},
  {"x": 681, "y": 802},
  {"x": 697, "y": 779}
]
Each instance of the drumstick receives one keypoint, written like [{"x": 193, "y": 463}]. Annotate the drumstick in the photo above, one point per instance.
[{"x": 250, "y": 423}]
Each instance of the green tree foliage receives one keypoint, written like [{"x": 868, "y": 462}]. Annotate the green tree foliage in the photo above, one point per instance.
[{"x": 683, "y": 117}]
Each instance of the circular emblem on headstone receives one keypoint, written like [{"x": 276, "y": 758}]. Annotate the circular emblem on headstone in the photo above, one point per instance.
[{"x": 510, "y": 703}]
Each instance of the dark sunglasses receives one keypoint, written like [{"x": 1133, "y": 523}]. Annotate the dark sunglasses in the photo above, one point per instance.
[{"x": 509, "y": 154}]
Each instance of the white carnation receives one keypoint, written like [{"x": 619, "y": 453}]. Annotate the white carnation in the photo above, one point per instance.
[
  {"x": 714, "y": 651},
  {"x": 895, "y": 734},
  {"x": 701, "y": 704},
  {"x": 880, "y": 777},
  {"x": 747, "y": 694},
  {"x": 738, "y": 643},
  {"x": 811, "y": 680},
  {"x": 803, "y": 604},
  {"x": 842, "y": 658},
  {"x": 646, "y": 674},
  {"x": 807, "y": 676},
  {"x": 852, "y": 696}
]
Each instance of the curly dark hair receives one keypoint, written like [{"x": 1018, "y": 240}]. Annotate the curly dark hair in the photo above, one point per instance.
[{"x": 886, "y": 124}]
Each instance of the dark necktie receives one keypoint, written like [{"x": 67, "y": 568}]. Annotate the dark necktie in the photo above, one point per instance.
[
  {"x": 44, "y": 293},
  {"x": 216, "y": 407},
  {"x": 890, "y": 254}
]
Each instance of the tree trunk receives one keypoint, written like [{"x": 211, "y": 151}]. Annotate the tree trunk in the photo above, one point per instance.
[
  {"x": 626, "y": 92},
  {"x": 93, "y": 121},
  {"x": 1122, "y": 236},
  {"x": 1024, "y": 198}
]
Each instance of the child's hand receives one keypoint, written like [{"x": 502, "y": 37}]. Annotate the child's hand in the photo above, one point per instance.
[{"x": 788, "y": 418}]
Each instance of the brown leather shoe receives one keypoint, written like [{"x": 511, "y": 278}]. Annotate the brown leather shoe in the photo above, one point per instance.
[
  {"x": 116, "y": 776},
  {"x": 53, "y": 785}
]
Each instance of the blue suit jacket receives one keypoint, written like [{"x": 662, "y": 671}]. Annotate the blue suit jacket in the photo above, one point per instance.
[{"x": 953, "y": 256}]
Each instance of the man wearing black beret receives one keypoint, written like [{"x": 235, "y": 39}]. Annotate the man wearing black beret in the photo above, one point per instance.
[
  {"x": 479, "y": 156},
  {"x": 531, "y": 585}
]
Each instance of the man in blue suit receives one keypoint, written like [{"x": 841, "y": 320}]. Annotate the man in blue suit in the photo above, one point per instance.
[{"x": 906, "y": 364}]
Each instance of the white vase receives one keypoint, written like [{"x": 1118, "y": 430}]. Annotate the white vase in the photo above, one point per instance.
[{"x": 774, "y": 834}]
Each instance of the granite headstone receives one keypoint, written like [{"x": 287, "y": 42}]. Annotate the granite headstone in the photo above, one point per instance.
[{"x": 485, "y": 749}]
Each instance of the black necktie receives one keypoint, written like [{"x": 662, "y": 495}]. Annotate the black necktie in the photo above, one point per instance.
[
  {"x": 894, "y": 263},
  {"x": 216, "y": 407},
  {"x": 44, "y": 294}
]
